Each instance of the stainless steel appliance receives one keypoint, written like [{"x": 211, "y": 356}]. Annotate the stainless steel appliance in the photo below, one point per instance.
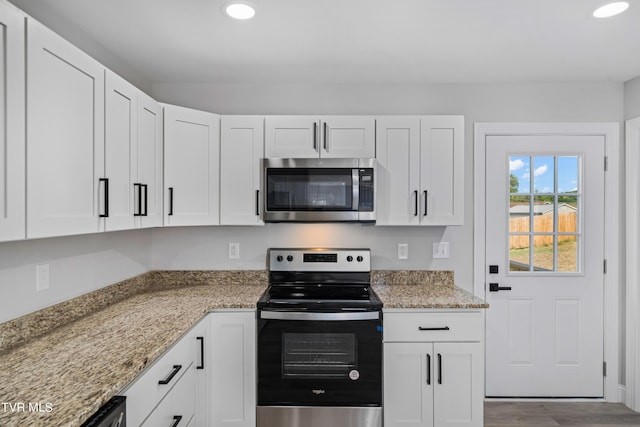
[
  {"x": 319, "y": 190},
  {"x": 111, "y": 414},
  {"x": 319, "y": 341}
]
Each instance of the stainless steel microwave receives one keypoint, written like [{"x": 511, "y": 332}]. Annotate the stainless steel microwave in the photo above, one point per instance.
[{"x": 319, "y": 190}]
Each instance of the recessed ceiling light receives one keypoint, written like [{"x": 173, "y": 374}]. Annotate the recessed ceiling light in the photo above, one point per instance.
[
  {"x": 239, "y": 10},
  {"x": 611, "y": 9}
]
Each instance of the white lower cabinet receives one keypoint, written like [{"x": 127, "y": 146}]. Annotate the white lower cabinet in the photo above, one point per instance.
[
  {"x": 433, "y": 380},
  {"x": 232, "y": 376},
  {"x": 167, "y": 392}
]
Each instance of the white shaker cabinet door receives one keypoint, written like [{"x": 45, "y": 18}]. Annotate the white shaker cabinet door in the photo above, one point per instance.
[
  {"x": 65, "y": 128},
  {"x": 408, "y": 385},
  {"x": 149, "y": 163},
  {"x": 442, "y": 175},
  {"x": 121, "y": 139},
  {"x": 233, "y": 369},
  {"x": 292, "y": 137},
  {"x": 241, "y": 149},
  {"x": 348, "y": 137},
  {"x": 191, "y": 166},
  {"x": 398, "y": 173},
  {"x": 12, "y": 123}
]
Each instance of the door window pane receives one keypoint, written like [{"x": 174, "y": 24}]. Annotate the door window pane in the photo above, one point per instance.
[
  {"x": 519, "y": 218},
  {"x": 519, "y": 171},
  {"x": 543, "y": 174},
  {"x": 519, "y": 253},
  {"x": 568, "y": 253}
]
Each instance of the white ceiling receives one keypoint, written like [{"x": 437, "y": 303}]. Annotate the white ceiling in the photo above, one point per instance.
[{"x": 364, "y": 41}]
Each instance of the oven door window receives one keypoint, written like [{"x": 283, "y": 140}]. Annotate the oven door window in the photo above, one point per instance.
[
  {"x": 318, "y": 355},
  {"x": 290, "y": 189}
]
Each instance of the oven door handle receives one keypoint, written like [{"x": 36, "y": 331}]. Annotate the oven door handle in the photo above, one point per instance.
[{"x": 336, "y": 317}]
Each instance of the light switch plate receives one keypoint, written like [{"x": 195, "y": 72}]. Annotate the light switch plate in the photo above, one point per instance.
[
  {"x": 440, "y": 249},
  {"x": 403, "y": 251},
  {"x": 234, "y": 250},
  {"x": 42, "y": 277}
]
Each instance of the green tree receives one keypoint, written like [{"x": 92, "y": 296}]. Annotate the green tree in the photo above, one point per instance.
[{"x": 513, "y": 183}]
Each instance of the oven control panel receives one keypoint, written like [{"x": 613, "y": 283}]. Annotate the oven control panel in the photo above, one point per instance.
[{"x": 314, "y": 259}]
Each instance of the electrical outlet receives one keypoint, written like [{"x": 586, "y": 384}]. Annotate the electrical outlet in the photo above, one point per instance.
[
  {"x": 42, "y": 277},
  {"x": 440, "y": 249},
  {"x": 403, "y": 251},
  {"x": 234, "y": 250}
]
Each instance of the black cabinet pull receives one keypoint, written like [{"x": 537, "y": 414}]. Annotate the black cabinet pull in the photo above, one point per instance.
[
  {"x": 106, "y": 197},
  {"x": 258, "y": 202},
  {"x": 146, "y": 199},
  {"x": 176, "y": 369},
  {"x": 439, "y": 368},
  {"x": 315, "y": 136},
  {"x": 428, "y": 369},
  {"x": 324, "y": 125},
  {"x": 176, "y": 420},
  {"x": 138, "y": 187},
  {"x": 426, "y": 193},
  {"x": 170, "y": 201},
  {"x": 439, "y": 328},
  {"x": 201, "y": 366},
  {"x": 415, "y": 202}
]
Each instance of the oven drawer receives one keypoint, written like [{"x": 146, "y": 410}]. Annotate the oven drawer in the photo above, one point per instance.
[{"x": 431, "y": 326}]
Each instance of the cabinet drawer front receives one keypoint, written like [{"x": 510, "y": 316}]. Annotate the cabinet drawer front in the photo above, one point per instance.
[
  {"x": 178, "y": 407},
  {"x": 145, "y": 393},
  {"x": 433, "y": 326}
]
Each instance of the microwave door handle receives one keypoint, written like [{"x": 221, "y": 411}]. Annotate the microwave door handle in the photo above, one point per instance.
[{"x": 355, "y": 178}]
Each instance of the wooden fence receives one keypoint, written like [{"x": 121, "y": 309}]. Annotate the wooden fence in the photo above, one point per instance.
[{"x": 567, "y": 223}]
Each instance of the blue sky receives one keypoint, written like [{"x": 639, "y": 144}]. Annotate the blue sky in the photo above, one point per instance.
[{"x": 541, "y": 170}]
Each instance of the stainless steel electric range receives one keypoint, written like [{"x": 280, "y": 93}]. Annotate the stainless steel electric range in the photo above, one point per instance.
[{"x": 319, "y": 341}]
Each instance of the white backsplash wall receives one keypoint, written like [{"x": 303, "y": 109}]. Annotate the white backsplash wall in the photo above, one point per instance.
[
  {"x": 77, "y": 265},
  {"x": 207, "y": 248}
]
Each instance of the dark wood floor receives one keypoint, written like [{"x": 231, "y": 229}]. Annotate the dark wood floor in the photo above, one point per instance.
[{"x": 536, "y": 414}]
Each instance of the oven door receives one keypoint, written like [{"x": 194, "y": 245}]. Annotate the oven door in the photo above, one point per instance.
[{"x": 319, "y": 359}]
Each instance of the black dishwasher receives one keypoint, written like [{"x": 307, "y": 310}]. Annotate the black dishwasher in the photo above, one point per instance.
[{"x": 112, "y": 414}]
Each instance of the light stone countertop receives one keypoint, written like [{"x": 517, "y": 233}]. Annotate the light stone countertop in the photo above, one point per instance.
[{"x": 75, "y": 367}]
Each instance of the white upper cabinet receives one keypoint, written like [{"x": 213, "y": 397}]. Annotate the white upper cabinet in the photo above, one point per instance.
[
  {"x": 121, "y": 135},
  {"x": 241, "y": 148},
  {"x": 442, "y": 173},
  {"x": 420, "y": 170},
  {"x": 312, "y": 137},
  {"x": 65, "y": 128},
  {"x": 133, "y": 156},
  {"x": 191, "y": 166},
  {"x": 398, "y": 172},
  {"x": 12, "y": 124},
  {"x": 148, "y": 196}
]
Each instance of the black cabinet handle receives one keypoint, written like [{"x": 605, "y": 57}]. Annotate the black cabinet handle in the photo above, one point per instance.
[
  {"x": 439, "y": 368},
  {"x": 258, "y": 202},
  {"x": 315, "y": 136},
  {"x": 138, "y": 187},
  {"x": 201, "y": 366},
  {"x": 176, "y": 369},
  {"x": 495, "y": 287},
  {"x": 324, "y": 125},
  {"x": 439, "y": 328},
  {"x": 146, "y": 199},
  {"x": 106, "y": 197},
  {"x": 170, "y": 201},
  {"x": 176, "y": 420},
  {"x": 426, "y": 203},
  {"x": 428, "y": 369},
  {"x": 415, "y": 202}
]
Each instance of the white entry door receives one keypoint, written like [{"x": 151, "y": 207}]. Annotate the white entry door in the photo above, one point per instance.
[{"x": 545, "y": 261}]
